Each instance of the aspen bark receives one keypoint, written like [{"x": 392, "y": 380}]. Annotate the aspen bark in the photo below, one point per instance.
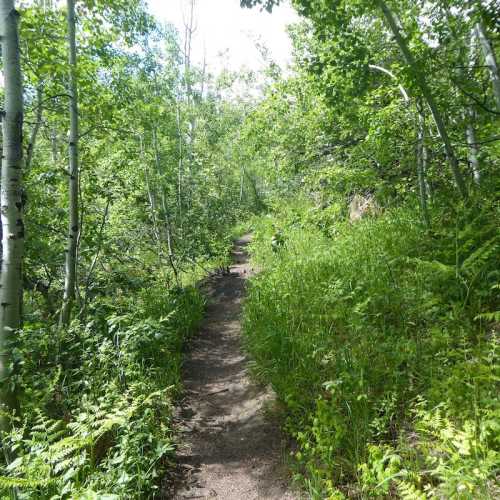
[
  {"x": 189, "y": 30},
  {"x": 11, "y": 207},
  {"x": 421, "y": 147},
  {"x": 180, "y": 165},
  {"x": 470, "y": 119},
  {"x": 152, "y": 203},
  {"x": 36, "y": 128},
  {"x": 166, "y": 214},
  {"x": 491, "y": 61},
  {"x": 73, "y": 230},
  {"x": 242, "y": 178},
  {"x": 427, "y": 94}
]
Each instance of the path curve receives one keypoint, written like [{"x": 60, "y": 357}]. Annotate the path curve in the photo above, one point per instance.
[{"x": 230, "y": 450}]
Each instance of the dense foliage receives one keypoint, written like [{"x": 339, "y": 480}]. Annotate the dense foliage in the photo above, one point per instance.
[
  {"x": 370, "y": 175},
  {"x": 375, "y": 315},
  {"x": 377, "y": 347},
  {"x": 159, "y": 190}
]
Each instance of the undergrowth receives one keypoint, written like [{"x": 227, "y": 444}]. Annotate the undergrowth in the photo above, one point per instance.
[
  {"x": 97, "y": 397},
  {"x": 380, "y": 339}
]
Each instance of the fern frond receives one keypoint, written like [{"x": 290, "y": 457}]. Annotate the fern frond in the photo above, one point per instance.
[{"x": 7, "y": 483}]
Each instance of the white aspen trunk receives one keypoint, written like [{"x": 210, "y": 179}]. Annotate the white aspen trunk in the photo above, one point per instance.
[
  {"x": 473, "y": 150},
  {"x": 241, "y": 184},
  {"x": 180, "y": 166},
  {"x": 405, "y": 95},
  {"x": 470, "y": 118},
  {"x": 73, "y": 229},
  {"x": 36, "y": 128},
  {"x": 189, "y": 30},
  {"x": 491, "y": 61},
  {"x": 427, "y": 94},
  {"x": 12, "y": 208},
  {"x": 422, "y": 154},
  {"x": 168, "y": 226},
  {"x": 152, "y": 202},
  {"x": 153, "y": 210},
  {"x": 425, "y": 166}
]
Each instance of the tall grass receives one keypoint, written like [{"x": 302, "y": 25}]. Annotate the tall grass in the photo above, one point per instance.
[{"x": 368, "y": 337}]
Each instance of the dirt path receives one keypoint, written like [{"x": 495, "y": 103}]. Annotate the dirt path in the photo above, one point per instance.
[{"x": 230, "y": 450}]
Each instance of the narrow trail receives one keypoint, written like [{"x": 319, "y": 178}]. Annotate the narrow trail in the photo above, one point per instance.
[{"x": 230, "y": 450}]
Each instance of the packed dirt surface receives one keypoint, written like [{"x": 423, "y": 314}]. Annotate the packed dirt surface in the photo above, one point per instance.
[{"x": 229, "y": 449}]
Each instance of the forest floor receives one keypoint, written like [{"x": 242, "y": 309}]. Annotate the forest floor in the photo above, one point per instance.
[{"x": 230, "y": 446}]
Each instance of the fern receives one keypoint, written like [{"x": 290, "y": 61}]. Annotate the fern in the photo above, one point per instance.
[
  {"x": 409, "y": 491},
  {"x": 478, "y": 259},
  {"x": 7, "y": 483},
  {"x": 489, "y": 316}
]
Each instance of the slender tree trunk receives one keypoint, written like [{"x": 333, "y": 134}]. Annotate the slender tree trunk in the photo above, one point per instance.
[
  {"x": 168, "y": 226},
  {"x": 152, "y": 202},
  {"x": 421, "y": 165},
  {"x": 491, "y": 61},
  {"x": 422, "y": 153},
  {"x": 427, "y": 94},
  {"x": 153, "y": 211},
  {"x": 180, "y": 165},
  {"x": 168, "y": 230},
  {"x": 100, "y": 239},
  {"x": 12, "y": 208},
  {"x": 473, "y": 150},
  {"x": 470, "y": 118},
  {"x": 73, "y": 230},
  {"x": 36, "y": 128},
  {"x": 425, "y": 168},
  {"x": 242, "y": 178},
  {"x": 189, "y": 30}
]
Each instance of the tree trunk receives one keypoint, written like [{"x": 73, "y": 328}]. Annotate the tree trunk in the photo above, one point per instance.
[
  {"x": 491, "y": 61},
  {"x": 242, "y": 180},
  {"x": 12, "y": 207},
  {"x": 152, "y": 204},
  {"x": 422, "y": 155},
  {"x": 73, "y": 230},
  {"x": 36, "y": 128},
  {"x": 180, "y": 166},
  {"x": 189, "y": 30},
  {"x": 427, "y": 94},
  {"x": 166, "y": 214},
  {"x": 473, "y": 150},
  {"x": 470, "y": 118},
  {"x": 422, "y": 165}
]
